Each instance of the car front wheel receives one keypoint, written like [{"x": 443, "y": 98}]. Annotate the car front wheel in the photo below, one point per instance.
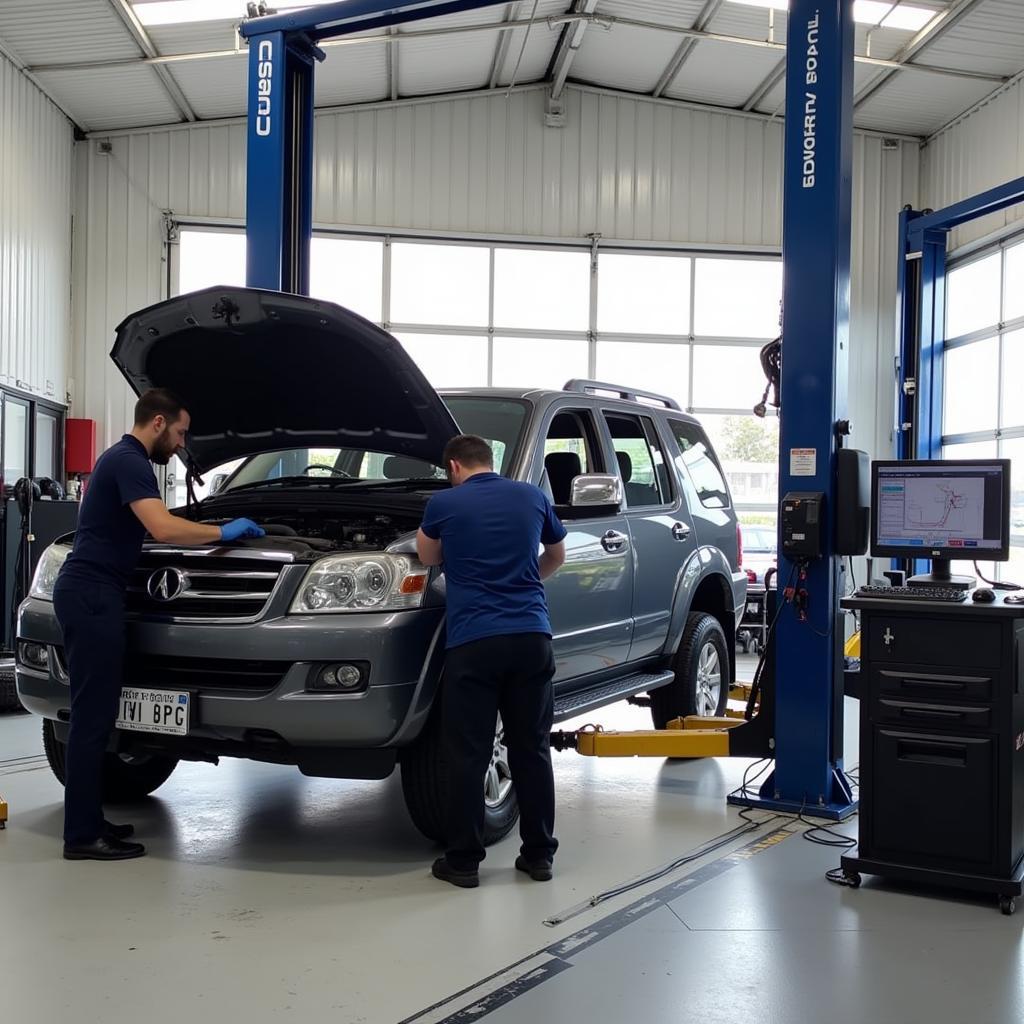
[
  {"x": 701, "y": 684},
  {"x": 125, "y": 778},
  {"x": 425, "y": 785}
]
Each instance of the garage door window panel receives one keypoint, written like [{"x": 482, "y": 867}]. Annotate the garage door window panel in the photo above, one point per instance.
[
  {"x": 643, "y": 294},
  {"x": 439, "y": 284}
]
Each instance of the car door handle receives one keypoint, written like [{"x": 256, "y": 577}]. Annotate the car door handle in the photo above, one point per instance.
[
  {"x": 680, "y": 531},
  {"x": 614, "y": 542}
]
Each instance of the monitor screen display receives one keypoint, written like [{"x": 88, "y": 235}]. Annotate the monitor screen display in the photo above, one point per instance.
[{"x": 949, "y": 510}]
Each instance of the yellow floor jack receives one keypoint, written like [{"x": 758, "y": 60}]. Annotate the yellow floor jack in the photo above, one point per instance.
[{"x": 747, "y": 732}]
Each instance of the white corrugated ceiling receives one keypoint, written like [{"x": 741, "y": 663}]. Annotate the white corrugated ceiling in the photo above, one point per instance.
[{"x": 723, "y": 53}]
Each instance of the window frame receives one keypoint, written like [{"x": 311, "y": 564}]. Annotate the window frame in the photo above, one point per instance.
[
  {"x": 596, "y": 444},
  {"x": 715, "y": 461},
  {"x": 640, "y": 417},
  {"x": 1000, "y": 435}
]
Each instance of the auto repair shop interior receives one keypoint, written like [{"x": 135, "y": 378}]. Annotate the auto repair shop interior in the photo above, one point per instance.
[{"x": 739, "y": 285}]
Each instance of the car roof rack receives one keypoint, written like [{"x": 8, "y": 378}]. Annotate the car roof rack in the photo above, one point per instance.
[{"x": 629, "y": 394}]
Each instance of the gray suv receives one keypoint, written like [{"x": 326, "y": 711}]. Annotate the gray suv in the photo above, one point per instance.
[{"x": 321, "y": 645}]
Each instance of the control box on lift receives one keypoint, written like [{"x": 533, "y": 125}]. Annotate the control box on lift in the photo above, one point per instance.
[{"x": 802, "y": 518}]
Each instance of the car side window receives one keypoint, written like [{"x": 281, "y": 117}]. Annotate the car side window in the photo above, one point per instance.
[
  {"x": 570, "y": 450},
  {"x": 701, "y": 463},
  {"x": 641, "y": 462}
]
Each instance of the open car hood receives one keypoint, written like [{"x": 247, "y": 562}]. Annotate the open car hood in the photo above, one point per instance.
[{"x": 262, "y": 371}]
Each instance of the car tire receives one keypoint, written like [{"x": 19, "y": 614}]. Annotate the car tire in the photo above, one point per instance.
[
  {"x": 702, "y": 650},
  {"x": 125, "y": 779},
  {"x": 425, "y": 786},
  {"x": 8, "y": 690}
]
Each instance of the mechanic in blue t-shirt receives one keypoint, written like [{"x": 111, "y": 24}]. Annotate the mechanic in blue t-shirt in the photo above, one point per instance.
[
  {"x": 121, "y": 503},
  {"x": 487, "y": 532}
]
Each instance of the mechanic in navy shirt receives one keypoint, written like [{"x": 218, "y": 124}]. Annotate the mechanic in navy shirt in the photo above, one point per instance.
[
  {"x": 122, "y": 503},
  {"x": 486, "y": 532}
]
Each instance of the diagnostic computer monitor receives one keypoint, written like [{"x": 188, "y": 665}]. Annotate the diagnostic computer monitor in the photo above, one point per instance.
[{"x": 946, "y": 511}]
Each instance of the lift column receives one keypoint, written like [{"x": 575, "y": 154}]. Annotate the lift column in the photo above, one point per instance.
[{"x": 816, "y": 309}]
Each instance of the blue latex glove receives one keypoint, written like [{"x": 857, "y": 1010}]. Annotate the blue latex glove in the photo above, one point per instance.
[{"x": 239, "y": 528}]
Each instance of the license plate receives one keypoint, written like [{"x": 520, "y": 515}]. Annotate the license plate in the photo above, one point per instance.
[
  {"x": 162, "y": 711},
  {"x": 754, "y": 609}
]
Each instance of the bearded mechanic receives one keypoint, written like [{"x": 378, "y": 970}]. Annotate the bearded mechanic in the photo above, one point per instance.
[{"x": 122, "y": 503}]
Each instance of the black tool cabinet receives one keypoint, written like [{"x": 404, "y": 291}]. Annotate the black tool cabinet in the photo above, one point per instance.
[{"x": 941, "y": 745}]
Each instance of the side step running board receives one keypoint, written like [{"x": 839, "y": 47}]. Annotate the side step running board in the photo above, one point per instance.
[{"x": 569, "y": 705}]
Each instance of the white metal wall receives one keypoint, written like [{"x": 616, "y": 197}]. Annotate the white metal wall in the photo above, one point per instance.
[
  {"x": 36, "y": 144},
  {"x": 630, "y": 169},
  {"x": 981, "y": 150}
]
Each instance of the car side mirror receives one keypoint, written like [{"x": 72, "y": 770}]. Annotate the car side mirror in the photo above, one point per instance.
[
  {"x": 596, "y": 492},
  {"x": 218, "y": 482}
]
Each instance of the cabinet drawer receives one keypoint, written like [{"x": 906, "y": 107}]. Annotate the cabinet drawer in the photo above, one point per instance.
[
  {"x": 931, "y": 686},
  {"x": 945, "y": 642},
  {"x": 931, "y": 716},
  {"x": 933, "y": 798}
]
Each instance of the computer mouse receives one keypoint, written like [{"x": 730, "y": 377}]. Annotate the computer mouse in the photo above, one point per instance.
[{"x": 983, "y": 595}]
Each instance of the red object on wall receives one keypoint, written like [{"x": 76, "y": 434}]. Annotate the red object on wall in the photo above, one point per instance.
[{"x": 79, "y": 446}]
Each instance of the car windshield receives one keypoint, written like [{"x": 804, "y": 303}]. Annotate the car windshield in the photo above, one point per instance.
[
  {"x": 498, "y": 421},
  {"x": 758, "y": 539}
]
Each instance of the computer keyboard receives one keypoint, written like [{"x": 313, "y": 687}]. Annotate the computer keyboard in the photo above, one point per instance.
[{"x": 942, "y": 594}]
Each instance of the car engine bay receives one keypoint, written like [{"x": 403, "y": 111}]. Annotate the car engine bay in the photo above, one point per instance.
[{"x": 310, "y": 532}]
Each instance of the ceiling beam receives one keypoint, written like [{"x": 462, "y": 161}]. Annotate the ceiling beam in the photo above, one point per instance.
[
  {"x": 682, "y": 55},
  {"x": 124, "y": 10},
  {"x": 568, "y": 47},
  {"x": 554, "y": 21},
  {"x": 503, "y": 44},
  {"x": 772, "y": 79},
  {"x": 931, "y": 33}
]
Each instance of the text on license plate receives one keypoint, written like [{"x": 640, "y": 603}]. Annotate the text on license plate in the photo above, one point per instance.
[{"x": 163, "y": 711}]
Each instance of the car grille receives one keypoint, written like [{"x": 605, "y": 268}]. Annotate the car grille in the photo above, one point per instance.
[
  {"x": 198, "y": 586},
  {"x": 203, "y": 673}
]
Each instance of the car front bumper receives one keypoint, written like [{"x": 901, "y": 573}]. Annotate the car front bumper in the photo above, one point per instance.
[{"x": 403, "y": 652}]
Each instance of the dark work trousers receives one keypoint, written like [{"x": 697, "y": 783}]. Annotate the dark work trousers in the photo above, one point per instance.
[
  {"x": 511, "y": 675},
  {"x": 92, "y": 619}
]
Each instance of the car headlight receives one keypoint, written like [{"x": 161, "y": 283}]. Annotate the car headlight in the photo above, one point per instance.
[
  {"x": 362, "y": 583},
  {"x": 46, "y": 571}
]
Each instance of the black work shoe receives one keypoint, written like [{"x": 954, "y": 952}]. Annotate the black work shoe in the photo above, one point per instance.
[
  {"x": 118, "y": 831},
  {"x": 104, "y": 848},
  {"x": 538, "y": 870},
  {"x": 446, "y": 873}
]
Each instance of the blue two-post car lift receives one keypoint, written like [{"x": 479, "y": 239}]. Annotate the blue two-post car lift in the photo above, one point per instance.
[{"x": 799, "y": 720}]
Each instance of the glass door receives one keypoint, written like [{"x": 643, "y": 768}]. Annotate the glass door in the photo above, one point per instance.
[{"x": 16, "y": 441}]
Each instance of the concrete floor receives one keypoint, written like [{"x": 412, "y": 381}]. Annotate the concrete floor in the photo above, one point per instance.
[{"x": 268, "y": 896}]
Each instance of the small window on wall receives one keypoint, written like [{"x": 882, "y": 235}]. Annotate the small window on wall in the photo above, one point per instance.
[
  {"x": 727, "y": 376},
  {"x": 349, "y": 272},
  {"x": 971, "y": 392},
  {"x": 972, "y": 296},
  {"x": 440, "y": 284},
  {"x": 659, "y": 367},
  {"x": 541, "y": 290},
  {"x": 1013, "y": 289},
  {"x": 643, "y": 294},
  {"x": 538, "y": 362},
  {"x": 449, "y": 361},
  {"x": 737, "y": 298},
  {"x": 210, "y": 258}
]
